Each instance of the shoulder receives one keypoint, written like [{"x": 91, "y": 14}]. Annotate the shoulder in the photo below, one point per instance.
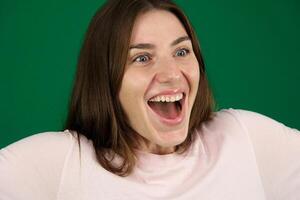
[
  {"x": 263, "y": 132},
  {"x": 261, "y": 127},
  {"x": 244, "y": 116},
  {"x": 38, "y": 161},
  {"x": 254, "y": 118},
  {"x": 228, "y": 120},
  {"x": 41, "y": 144},
  {"x": 45, "y": 138},
  {"x": 249, "y": 121},
  {"x": 276, "y": 149}
]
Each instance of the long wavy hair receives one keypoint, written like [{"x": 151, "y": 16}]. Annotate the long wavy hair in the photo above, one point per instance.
[{"x": 94, "y": 108}]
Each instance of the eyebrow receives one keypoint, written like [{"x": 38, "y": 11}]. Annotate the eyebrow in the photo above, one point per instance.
[
  {"x": 152, "y": 46},
  {"x": 181, "y": 39}
]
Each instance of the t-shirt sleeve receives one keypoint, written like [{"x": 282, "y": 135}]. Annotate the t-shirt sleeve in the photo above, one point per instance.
[
  {"x": 31, "y": 168},
  {"x": 277, "y": 152}
]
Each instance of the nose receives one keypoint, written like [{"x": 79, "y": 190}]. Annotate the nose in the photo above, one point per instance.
[{"x": 168, "y": 71}]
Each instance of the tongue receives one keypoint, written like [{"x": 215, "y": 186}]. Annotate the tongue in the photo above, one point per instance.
[{"x": 166, "y": 110}]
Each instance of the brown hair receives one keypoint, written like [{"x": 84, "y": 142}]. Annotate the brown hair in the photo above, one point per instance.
[{"x": 95, "y": 110}]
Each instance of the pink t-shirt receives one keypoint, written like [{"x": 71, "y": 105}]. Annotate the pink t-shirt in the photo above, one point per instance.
[{"x": 239, "y": 155}]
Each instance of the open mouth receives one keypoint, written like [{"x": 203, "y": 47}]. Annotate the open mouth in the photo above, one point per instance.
[{"x": 168, "y": 107}]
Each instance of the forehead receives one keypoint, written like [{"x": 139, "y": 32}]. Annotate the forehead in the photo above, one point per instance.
[{"x": 157, "y": 26}]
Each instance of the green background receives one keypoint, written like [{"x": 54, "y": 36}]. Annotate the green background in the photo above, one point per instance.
[{"x": 251, "y": 50}]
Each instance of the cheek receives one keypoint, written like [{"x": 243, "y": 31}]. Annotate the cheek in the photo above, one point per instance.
[
  {"x": 133, "y": 87},
  {"x": 191, "y": 71},
  {"x": 127, "y": 92},
  {"x": 132, "y": 98}
]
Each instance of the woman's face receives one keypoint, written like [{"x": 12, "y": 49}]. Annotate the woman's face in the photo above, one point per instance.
[{"x": 160, "y": 81}]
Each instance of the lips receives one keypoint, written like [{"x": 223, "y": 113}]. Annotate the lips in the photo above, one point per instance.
[{"x": 169, "y": 112}]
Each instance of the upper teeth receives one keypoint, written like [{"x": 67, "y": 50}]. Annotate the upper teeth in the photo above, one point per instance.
[{"x": 168, "y": 98}]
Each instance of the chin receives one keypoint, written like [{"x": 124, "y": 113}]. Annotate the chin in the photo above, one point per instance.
[{"x": 171, "y": 138}]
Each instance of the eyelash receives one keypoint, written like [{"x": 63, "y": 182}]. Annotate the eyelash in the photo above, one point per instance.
[
  {"x": 187, "y": 51},
  {"x": 141, "y": 56}
]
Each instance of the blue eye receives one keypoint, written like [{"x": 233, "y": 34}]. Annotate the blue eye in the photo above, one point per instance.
[
  {"x": 182, "y": 52},
  {"x": 142, "y": 59}
]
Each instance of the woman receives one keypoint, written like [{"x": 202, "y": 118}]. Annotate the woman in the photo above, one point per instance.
[{"x": 141, "y": 126}]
